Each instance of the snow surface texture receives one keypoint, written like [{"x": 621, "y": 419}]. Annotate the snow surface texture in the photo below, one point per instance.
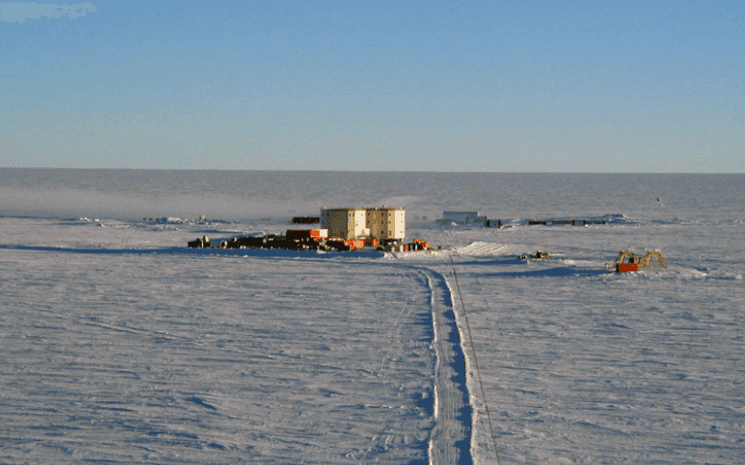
[{"x": 119, "y": 345}]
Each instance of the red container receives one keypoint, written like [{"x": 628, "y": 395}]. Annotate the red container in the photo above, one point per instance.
[
  {"x": 319, "y": 233},
  {"x": 422, "y": 243},
  {"x": 626, "y": 267},
  {"x": 354, "y": 244}
]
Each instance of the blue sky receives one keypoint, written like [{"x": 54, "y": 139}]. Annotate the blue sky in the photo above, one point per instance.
[{"x": 497, "y": 86}]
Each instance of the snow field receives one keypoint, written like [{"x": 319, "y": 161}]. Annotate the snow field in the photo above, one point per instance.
[
  {"x": 119, "y": 344},
  {"x": 608, "y": 368},
  {"x": 152, "y": 358}
]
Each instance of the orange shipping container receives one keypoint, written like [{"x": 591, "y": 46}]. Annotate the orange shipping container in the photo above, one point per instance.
[
  {"x": 354, "y": 244},
  {"x": 319, "y": 233}
]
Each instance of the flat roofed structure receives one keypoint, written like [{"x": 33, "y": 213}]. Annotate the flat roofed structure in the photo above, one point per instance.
[
  {"x": 463, "y": 217},
  {"x": 353, "y": 223},
  {"x": 344, "y": 223},
  {"x": 387, "y": 223}
]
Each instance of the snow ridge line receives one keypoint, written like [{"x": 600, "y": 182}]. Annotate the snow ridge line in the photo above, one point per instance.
[
  {"x": 476, "y": 364},
  {"x": 438, "y": 361},
  {"x": 449, "y": 440}
]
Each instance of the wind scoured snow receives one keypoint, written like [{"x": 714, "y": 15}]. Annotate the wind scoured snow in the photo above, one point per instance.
[
  {"x": 482, "y": 249},
  {"x": 119, "y": 344},
  {"x": 196, "y": 359}
]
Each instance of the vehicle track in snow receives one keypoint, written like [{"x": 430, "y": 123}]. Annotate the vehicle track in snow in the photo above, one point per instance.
[
  {"x": 450, "y": 440},
  {"x": 450, "y": 437}
]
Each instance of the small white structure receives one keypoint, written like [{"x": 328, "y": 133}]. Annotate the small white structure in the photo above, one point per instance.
[
  {"x": 464, "y": 218},
  {"x": 354, "y": 223}
]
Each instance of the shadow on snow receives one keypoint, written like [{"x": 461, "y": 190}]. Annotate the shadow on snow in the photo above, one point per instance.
[{"x": 188, "y": 251}]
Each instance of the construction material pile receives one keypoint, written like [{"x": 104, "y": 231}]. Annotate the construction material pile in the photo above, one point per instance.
[{"x": 312, "y": 239}]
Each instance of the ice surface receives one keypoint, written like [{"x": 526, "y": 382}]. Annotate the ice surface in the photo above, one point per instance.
[{"x": 120, "y": 345}]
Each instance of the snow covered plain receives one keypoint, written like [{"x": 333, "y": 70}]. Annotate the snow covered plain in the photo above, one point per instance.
[{"x": 119, "y": 345}]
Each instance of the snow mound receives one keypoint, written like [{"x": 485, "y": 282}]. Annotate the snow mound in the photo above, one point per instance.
[
  {"x": 171, "y": 220},
  {"x": 483, "y": 248}
]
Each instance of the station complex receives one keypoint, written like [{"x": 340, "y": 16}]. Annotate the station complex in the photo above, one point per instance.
[{"x": 341, "y": 229}]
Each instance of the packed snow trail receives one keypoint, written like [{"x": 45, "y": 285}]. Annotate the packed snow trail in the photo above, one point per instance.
[
  {"x": 475, "y": 365},
  {"x": 449, "y": 440}
]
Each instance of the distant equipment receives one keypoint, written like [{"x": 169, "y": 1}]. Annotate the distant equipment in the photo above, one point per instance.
[
  {"x": 201, "y": 243},
  {"x": 572, "y": 222},
  {"x": 628, "y": 261},
  {"x": 307, "y": 234},
  {"x": 306, "y": 219},
  {"x": 652, "y": 259},
  {"x": 539, "y": 255}
]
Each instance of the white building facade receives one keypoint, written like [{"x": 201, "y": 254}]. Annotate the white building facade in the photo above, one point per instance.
[
  {"x": 355, "y": 223},
  {"x": 387, "y": 223}
]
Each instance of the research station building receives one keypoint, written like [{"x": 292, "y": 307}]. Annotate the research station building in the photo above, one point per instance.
[
  {"x": 354, "y": 223},
  {"x": 464, "y": 217}
]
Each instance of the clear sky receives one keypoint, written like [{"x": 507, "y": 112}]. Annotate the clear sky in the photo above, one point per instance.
[{"x": 498, "y": 86}]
